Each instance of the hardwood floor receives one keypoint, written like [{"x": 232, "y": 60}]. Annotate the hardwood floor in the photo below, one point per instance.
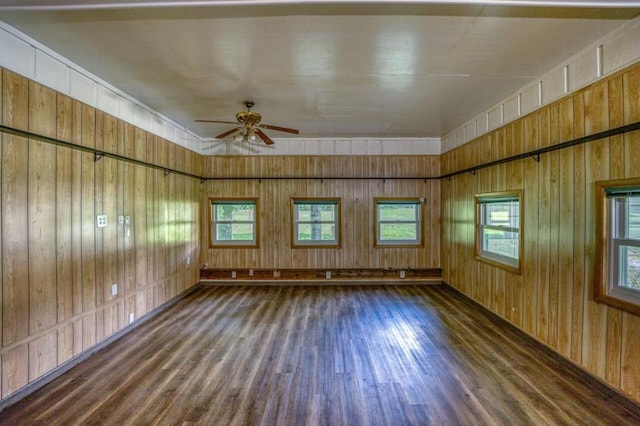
[{"x": 326, "y": 355}]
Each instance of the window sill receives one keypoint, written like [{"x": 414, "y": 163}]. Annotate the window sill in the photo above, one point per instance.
[{"x": 512, "y": 269}]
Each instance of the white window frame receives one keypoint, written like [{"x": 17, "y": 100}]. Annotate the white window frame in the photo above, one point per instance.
[
  {"x": 417, "y": 222},
  {"x": 214, "y": 221},
  {"x": 612, "y": 200},
  {"x": 482, "y": 201},
  {"x": 296, "y": 242}
]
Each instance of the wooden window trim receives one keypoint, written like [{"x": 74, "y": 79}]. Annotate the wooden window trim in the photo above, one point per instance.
[
  {"x": 337, "y": 244},
  {"x": 256, "y": 224},
  {"x": 478, "y": 242},
  {"x": 416, "y": 200},
  {"x": 601, "y": 287}
]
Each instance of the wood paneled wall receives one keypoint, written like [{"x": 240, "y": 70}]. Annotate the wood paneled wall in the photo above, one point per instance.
[
  {"x": 56, "y": 266},
  {"x": 552, "y": 299},
  {"x": 274, "y": 198}
]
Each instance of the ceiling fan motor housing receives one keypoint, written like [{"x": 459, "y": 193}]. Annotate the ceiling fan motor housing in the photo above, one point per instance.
[{"x": 248, "y": 117}]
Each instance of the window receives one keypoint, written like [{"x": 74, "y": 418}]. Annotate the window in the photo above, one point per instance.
[
  {"x": 398, "y": 222},
  {"x": 498, "y": 223},
  {"x": 618, "y": 227},
  {"x": 316, "y": 222},
  {"x": 233, "y": 222}
]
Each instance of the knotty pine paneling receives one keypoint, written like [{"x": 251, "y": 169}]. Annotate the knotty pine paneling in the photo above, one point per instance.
[
  {"x": 552, "y": 299},
  {"x": 56, "y": 267},
  {"x": 357, "y": 195}
]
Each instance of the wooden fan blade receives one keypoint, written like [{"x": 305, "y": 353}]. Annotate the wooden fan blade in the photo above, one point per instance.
[
  {"x": 278, "y": 128},
  {"x": 266, "y": 139},
  {"x": 228, "y": 132},
  {"x": 216, "y": 121}
]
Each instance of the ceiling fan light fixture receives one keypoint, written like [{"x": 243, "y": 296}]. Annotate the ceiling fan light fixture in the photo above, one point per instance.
[{"x": 248, "y": 127}]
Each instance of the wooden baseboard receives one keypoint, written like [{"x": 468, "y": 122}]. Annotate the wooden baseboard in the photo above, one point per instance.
[{"x": 432, "y": 275}]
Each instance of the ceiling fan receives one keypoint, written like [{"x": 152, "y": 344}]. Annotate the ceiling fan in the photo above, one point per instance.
[{"x": 249, "y": 126}]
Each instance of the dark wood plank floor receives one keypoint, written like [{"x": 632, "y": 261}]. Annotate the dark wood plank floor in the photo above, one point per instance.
[{"x": 325, "y": 355}]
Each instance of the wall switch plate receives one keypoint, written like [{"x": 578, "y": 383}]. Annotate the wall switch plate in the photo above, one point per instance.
[
  {"x": 233, "y": 274},
  {"x": 127, "y": 220},
  {"x": 250, "y": 272},
  {"x": 328, "y": 274},
  {"x": 132, "y": 317},
  {"x": 101, "y": 220},
  {"x": 120, "y": 220},
  {"x": 114, "y": 289},
  {"x": 188, "y": 260},
  {"x": 401, "y": 274}
]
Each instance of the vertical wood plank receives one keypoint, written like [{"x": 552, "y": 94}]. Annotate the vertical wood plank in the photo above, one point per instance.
[
  {"x": 64, "y": 239},
  {"x": 616, "y": 171},
  {"x": 42, "y": 210},
  {"x": 595, "y": 326},
  {"x": 15, "y": 227},
  {"x": 579, "y": 232},
  {"x": 565, "y": 235},
  {"x": 43, "y": 356},
  {"x": 77, "y": 217},
  {"x": 554, "y": 216},
  {"x": 88, "y": 212},
  {"x": 15, "y": 369}
]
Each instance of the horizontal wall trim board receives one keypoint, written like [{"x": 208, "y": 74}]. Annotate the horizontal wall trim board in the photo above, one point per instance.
[
  {"x": 325, "y": 282},
  {"x": 214, "y": 274},
  {"x": 574, "y": 368}
]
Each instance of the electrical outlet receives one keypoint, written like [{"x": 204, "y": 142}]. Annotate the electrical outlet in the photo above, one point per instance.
[
  {"x": 120, "y": 220},
  {"x": 233, "y": 274},
  {"x": 131, "y": 317},
  {"x": 328, "y": 274},
  {"x": 101, "y": 220},
  {"x": 127, "y": 220},
  {"x": 276, "y": 274},
  {"x": 250, "y": 272},
  {"x": 114, "y": 289},
  {"x": 401, "y": 274}
]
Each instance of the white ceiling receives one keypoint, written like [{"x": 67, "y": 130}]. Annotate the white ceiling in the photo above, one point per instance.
[{"x": 331, "y": 69}]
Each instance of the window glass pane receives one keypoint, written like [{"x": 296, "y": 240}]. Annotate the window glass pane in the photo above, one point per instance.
[
  {"x": 241, "y": 212},
  {"x": 503, "y": 214},
  {"x": 398, "y": 232},
  {"x": 234, "y": 232},
  {"x": 316, "y": 212},
  {"x": 634, "y": 218},
  {"x": 316, "y": 232},
  {"x": 630, "y": 267},
  {"x": 393, "y": 212},
  {"x": 500, "y": 242}
]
